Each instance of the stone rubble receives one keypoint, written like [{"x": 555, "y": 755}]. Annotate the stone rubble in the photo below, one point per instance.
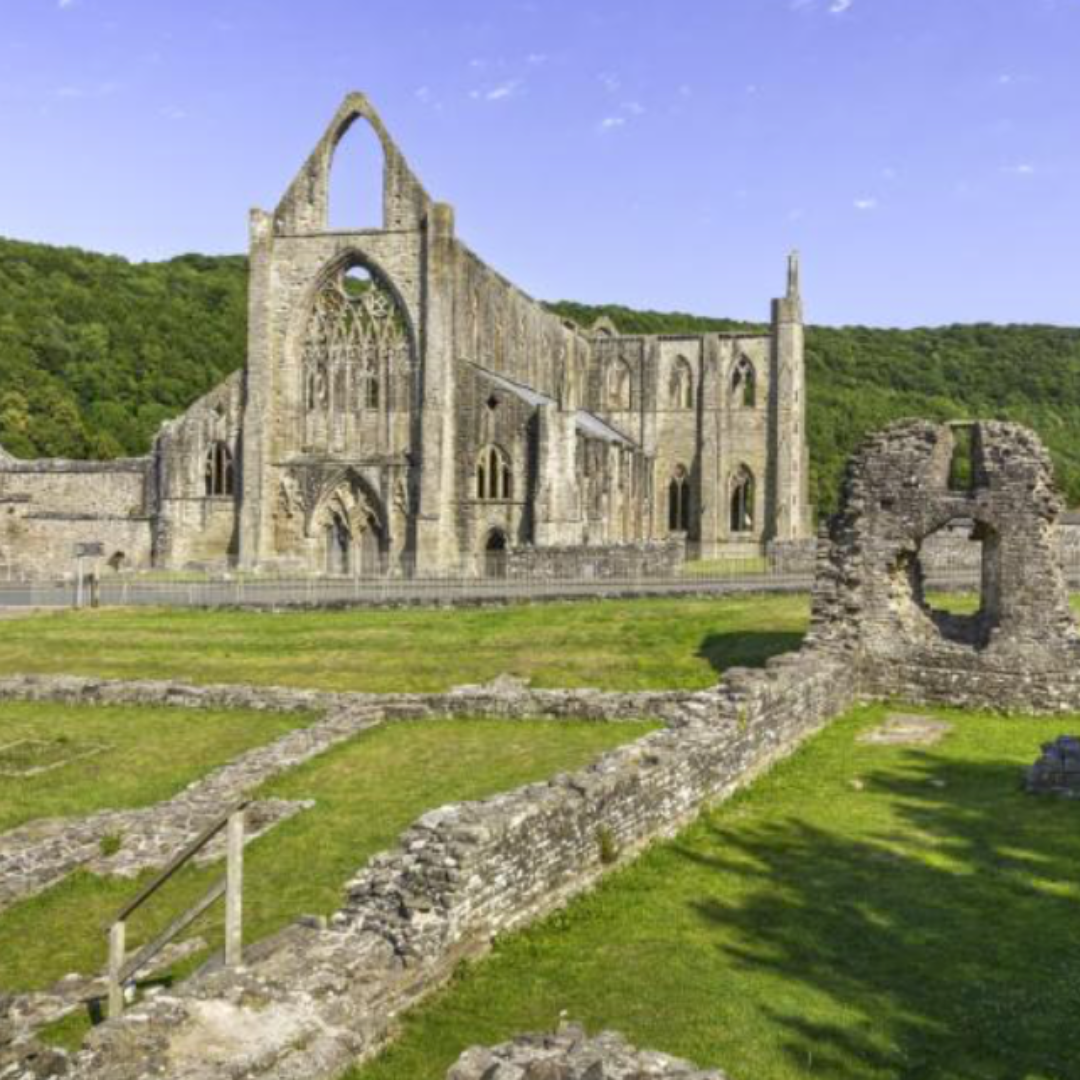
[
  {"x": 1057, "y": 772},
  {"x": 570, "y": 1054}
]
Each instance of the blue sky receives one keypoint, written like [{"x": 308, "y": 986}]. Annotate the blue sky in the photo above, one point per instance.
[{"x": 922, "y": 154}]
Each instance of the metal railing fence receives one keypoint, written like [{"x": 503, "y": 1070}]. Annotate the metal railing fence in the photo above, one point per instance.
[{"x": 568, "y": 579}]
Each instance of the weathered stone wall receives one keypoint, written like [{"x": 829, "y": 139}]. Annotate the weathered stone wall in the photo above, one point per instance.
[
  {"x": 48, "y": 506},
  {"x": 661, "y": 558},
  {"x": 1021, "y": 650}
]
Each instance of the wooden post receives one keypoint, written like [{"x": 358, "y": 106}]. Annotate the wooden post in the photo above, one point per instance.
[
  {"x": 234, "y": 888},
  {"x": 116, "y": 966}
]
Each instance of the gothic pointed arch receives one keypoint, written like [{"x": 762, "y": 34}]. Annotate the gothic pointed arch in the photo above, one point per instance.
[
  {"x": 679, "y": 500},
  {"x": 744, "y": 384},
  {"x": 618, "y": 385},
  {"x": 741, "y": 509},
  {"x": 681, "y": 384},
  {"x": 357, "y": 361},
  {"x": 304, "y": 208},
  {"x": 349, "y": 521}
]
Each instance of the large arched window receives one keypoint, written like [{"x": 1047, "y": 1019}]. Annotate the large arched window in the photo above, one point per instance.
[
  {"x": 742, "y": 501},
  {"x": 744, "y": 384},
  {"x": 679, "y": 501},
  {"x": 357, "y": 358},
  {"x": 219, "y": 469},
  {"x": 494, "y": 475},
  {"x": 681, "y": 389},
  {"x": 618, "y": 386}
]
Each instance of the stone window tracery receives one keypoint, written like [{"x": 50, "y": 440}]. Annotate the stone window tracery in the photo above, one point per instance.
[
  {"x": 218, "y": 473},
  {"x": 744, "y": 384},
  {"x": 681, "y": 390},
  {"x": 356, "y": 355},
  {"x": 494, "y": 475}
]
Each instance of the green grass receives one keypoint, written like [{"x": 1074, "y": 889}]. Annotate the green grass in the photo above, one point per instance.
[
  {"x": 122, "y": 757},
  {"x": 618, "y": 645},
  {"x": 861, "y": 913},
  {"x": 367, "y": 792},
  {"x": 726, "y": 567}
]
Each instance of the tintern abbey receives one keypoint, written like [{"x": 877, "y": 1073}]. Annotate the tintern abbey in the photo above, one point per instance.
[{"x": 404, "y": 407}]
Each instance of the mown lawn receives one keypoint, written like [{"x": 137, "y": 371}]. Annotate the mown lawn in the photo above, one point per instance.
[
  {"x": 863, "y": 912},
  {"x": 366, "y": 792},
  {"x": 618, "y": 645},
  {"x": 117, "y": 757}
]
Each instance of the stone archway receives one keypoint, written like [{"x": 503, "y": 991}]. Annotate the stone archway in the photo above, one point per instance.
[{"x": 349, "y": 525}]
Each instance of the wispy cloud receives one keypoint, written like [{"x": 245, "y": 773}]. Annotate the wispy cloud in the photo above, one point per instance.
[
  {"x": 609, "y": 81},
  {"x": 611, "y": 123},
  {"x": 63, "y": 4},
  {"x": 1023, "y": 168},
  {"x": 174, "y": 112},
  {"x": 838, "y": 7},
  {"x": 866, "y": 204},
  {"x": 508, "y": 89}
]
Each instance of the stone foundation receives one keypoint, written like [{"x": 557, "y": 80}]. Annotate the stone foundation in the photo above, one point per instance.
[{"x": 570, "y": 1054}]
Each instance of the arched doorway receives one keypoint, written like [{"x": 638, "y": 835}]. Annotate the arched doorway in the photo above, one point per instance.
[
  {"x": 495, "y": 554},
  {"x": 742, "y": 501},
  {"x": 338, "y": 545},
  {"x": 679, "y": 501}
]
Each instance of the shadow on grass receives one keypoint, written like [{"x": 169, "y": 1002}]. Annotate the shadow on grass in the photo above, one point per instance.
[
  {"x": 948, "y": 947},
  {"x": 746, "y": 648}
]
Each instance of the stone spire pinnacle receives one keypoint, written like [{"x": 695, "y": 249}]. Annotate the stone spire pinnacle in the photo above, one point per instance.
[{"x": 793, "y": 286}]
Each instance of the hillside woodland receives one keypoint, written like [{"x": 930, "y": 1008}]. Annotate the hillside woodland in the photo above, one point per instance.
[{"x": 96, "y": 351}]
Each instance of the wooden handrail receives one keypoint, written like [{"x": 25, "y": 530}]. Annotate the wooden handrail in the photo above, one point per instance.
[
  {"x": 122, "y": 971},
  {"x": 178, "y": 861}
]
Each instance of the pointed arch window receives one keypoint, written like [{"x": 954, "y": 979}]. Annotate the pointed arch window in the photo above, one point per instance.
[
  {"x": 679, "y": 500},
  {"x": 681, "y": 390},
  {"x": 744, "y": 384},
  {"x": 618, "y": 386},
  {"x": 742, "y": 501},
  {"x": 494, "y": 475},
  {"x": 219, "y": 471},
  {"x": 356, "y": 354}
]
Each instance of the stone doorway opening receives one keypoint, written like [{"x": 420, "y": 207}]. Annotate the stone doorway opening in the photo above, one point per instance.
[{"x": 495, "y": 554}]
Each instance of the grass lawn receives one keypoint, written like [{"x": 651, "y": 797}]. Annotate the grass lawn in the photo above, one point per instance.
[
  {"x": 862, "y": 912},
  {"x": 116, "y": 757},
  {"x": 618, "y": 645},
  {"x": 367, "y": 791}
]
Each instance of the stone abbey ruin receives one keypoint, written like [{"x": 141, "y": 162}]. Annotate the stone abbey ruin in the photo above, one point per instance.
[
  {"x": 320, "y": 995},
  {"x": 422, "y": 412},
  {"x": 404, "y": 406}
]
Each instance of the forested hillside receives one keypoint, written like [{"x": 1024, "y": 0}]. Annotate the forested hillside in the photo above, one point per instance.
[{"x": 95, "y": 352}]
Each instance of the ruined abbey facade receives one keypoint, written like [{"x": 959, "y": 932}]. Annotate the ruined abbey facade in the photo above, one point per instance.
[{"x": 404, "y": 406}]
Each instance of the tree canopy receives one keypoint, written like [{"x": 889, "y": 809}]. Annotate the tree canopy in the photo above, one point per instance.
[{"x": 96, "y": 351}]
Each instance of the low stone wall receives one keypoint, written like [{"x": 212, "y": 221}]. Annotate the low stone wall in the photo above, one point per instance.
[
  {"x": 39, "y": 854},
  {"x": 569, "y": 1054},
  {"x": 661, "y": 558},
  {"x": 313, "y": 1000}
]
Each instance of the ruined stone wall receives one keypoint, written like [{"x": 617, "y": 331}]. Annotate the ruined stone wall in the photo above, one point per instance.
[
  {"x": 48, "y": 506},
  {"x": 460, "y": 876},
  {"x": 656, "y": 558},
  {"x": 1021, "y": 649},
  {"x": 195, "y": 526}
]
